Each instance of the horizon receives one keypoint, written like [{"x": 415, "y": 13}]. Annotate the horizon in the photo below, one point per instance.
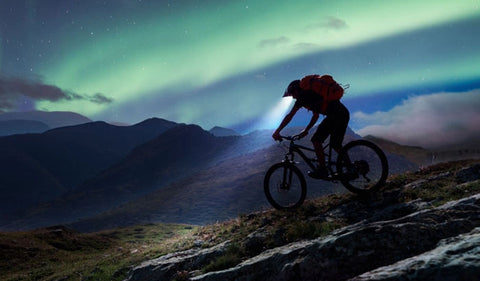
[
  {"x": 414, "y": 74},
  {"x": 292, "y": 125}
]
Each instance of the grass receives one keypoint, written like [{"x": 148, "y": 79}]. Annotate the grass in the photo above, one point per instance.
[
  {"x": 441, "y": 192},
  {"x": 58, "y": 253},
  {"x": 232, "y": 257},
  {"x": 438, "y": 183}
]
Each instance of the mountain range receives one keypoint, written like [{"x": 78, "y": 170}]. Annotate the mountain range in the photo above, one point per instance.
[
  {"x": 14, "y": 127},
  {"x": 50, "y": 120},
  {"x": 97, "y": 175},
  {"x": 41, "y": 167}
]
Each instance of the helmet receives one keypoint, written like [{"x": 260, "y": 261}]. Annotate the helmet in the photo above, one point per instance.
[{"x": 292, "y": 87}]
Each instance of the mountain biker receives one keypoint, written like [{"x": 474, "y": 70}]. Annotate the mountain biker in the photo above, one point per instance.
[{"x": 334, "y": 124}]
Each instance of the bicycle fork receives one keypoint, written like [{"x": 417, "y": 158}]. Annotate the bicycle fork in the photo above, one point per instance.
[
  {"x": 287, "y": 178},
  {"x": 287, "y": 172}
]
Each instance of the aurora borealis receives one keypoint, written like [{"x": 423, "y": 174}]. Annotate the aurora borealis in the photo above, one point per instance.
[{"x": 227, "y": 63}]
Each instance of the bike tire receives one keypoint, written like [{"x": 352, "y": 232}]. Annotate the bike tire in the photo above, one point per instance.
[
  {"x": 285, "y": 195},
  {"x": 362, "y": 167}
]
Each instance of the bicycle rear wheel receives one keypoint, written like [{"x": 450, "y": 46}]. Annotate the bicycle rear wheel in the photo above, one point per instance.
[
  {"x": 285, "y": 186},
  {"x": 362, "y": 167}
]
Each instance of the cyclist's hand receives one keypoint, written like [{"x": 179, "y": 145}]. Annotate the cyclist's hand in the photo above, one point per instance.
[
  {"x": 276, "y": 136},
  {"x": 302, "y": 134}
]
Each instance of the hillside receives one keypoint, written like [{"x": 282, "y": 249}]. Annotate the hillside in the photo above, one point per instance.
[
  {"x": 425, "y": 157},
  {"x": 417, "y": 155},
  {"x": 219, "y": 192},
  {"x": 422, "y": 226}
]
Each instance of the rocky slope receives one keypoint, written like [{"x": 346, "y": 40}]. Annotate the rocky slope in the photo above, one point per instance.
[{"x": 423, "y": 226}]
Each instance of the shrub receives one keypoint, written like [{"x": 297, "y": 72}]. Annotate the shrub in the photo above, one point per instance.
[{"x": 233, "y": 256}]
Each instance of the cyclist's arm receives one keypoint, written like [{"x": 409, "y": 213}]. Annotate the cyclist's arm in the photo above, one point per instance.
[
  {"x": 286, "y": 120},
  {"x": 313, "y": 121}
]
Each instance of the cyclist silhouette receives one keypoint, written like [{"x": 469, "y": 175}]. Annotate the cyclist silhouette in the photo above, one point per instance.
[{"x": 334, "y": 124}]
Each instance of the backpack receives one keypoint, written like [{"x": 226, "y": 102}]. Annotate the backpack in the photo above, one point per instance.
[{"x": 323, "y": 85}]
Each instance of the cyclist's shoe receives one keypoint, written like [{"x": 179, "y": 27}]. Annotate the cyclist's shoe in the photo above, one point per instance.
[{"x": 319, "y": 173}]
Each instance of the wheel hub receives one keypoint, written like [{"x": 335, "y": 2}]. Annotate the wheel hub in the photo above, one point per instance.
[{"x": 362, "y": 167}]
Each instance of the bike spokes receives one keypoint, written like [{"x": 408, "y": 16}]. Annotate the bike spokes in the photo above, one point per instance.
[
  {"x": 284, "y": 186},
  {"x": 362, "y": 166}
]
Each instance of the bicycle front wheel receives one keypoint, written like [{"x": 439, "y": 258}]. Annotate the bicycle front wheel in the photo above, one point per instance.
[
  {"x": 362, "y": 167},
  {"x": 285, "y": 186}
]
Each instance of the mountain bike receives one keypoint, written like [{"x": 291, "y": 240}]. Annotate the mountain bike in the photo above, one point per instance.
[{"x": 361, "y": 166}]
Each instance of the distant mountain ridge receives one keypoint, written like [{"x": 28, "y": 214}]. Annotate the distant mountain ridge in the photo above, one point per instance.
[
  {"x": 52, "y": 119},
  {"x": 13, "y": 127},
  {"x": 223, "y": 132}
]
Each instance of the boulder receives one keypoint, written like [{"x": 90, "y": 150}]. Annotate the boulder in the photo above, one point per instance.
[{"x": 166, "y": 267}]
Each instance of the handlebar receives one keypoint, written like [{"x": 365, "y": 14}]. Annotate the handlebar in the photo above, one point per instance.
[{"x": 290, "y": 138}]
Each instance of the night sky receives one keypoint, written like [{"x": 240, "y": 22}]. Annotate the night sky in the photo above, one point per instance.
[{"x": 413, "y": 66}]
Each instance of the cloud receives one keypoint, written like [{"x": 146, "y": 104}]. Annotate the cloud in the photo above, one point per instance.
[
  {"x": 99, "y": 99},
  {"x": 273, "y": 42},
  {"x": 305, "y": 46},
  {"x": 335, "y": 23},
  {"x": 284, "y": 41},
  {"x": 14, "y": 89},
  {"x": 429, "y": 121},
  {"x": 331, "y": 23}
]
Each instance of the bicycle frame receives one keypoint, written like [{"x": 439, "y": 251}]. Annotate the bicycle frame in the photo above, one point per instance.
[{"x": 296, "y": 148}]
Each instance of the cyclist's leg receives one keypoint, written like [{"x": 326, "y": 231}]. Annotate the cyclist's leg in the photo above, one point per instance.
[
  {"x": 318, "y": 146},
  {"x": 318, "y": 139},
  {"x": 323, "y": 131},
  {"x": 340, "y": 116},
  {"x": 337, "y": 136}
]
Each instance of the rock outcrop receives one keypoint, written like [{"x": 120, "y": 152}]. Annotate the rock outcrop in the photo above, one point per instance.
[
  {"x": 456, "y": 258},
  {"x": 166, "y": 267}
]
